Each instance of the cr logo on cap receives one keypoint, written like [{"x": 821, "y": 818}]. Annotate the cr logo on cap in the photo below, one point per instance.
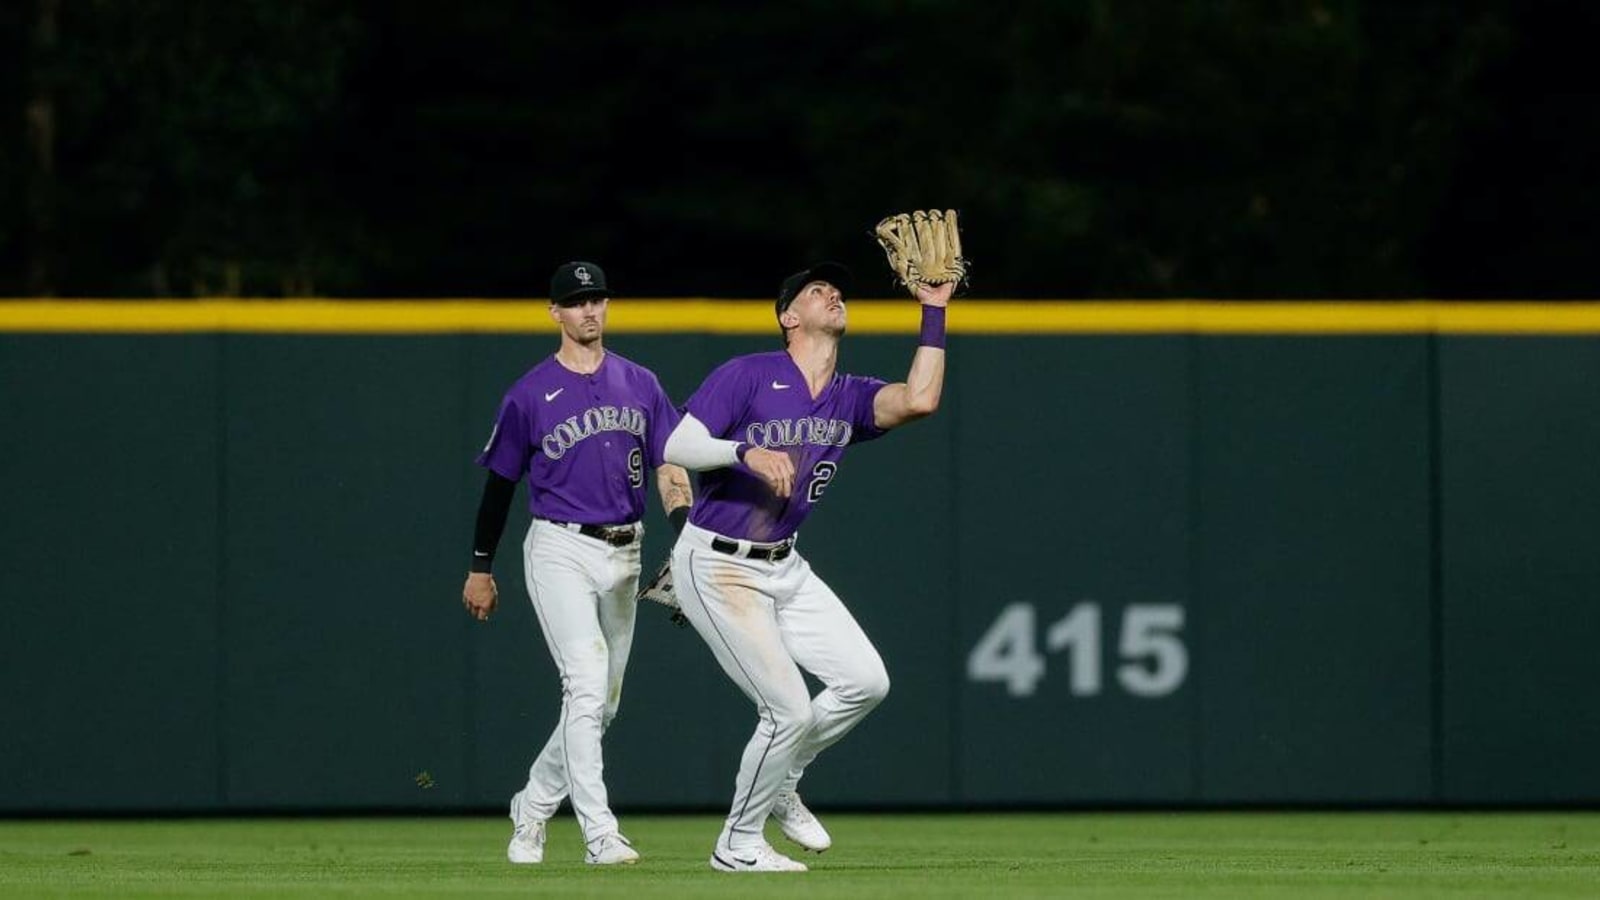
[{"x": 583, "y": 275}]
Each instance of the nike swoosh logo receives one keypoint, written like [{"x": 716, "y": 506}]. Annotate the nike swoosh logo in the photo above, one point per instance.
[
  {"x": 747, "y": 862},
  {"x": 553, "y": 394},
  {"x": 779, "y": 387},
  {"x": 479, "y": 553}
]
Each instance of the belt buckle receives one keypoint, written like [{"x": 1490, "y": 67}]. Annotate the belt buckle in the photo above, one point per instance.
[{"x": 773, "y": 552}]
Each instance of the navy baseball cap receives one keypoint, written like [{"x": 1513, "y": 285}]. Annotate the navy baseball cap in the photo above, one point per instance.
[
  {"x": 575, "y": 282},
  {"x": 831, "y": 272}
]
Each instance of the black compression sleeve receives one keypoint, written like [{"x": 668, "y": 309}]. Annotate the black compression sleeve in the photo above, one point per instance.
[{"x": 492, "y": 511}]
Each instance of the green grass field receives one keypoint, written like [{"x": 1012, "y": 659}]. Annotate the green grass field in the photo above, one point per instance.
[{"x": 901, "y": 856}]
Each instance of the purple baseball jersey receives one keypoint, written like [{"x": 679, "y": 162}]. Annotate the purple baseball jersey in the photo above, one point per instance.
[
  {"x": 762, "y": 400},
  {"x": 584, "y": 442}
]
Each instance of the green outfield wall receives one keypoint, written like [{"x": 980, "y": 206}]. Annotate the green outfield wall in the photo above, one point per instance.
[{"x": 1125, "y": 564}]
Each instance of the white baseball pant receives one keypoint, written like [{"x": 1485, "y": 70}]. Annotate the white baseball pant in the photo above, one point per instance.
[
  {"x": 582, "y": 591},
  {"x": 764, "y": 622}
]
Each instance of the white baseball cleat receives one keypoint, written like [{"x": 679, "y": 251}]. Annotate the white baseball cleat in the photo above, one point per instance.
[
  {"x": 758, "y": 859},
  {"x": 798, "y": 824},
  {"x": 527, "y": 844},
  {"x": 610, "y": 850}
]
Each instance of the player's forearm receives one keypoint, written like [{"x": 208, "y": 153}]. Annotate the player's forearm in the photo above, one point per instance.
[
  {"x": 925, "y": 382},
  {"x": 672, "y": 482},
  {"x": 691, "y": 446},
  {"x": 492, "y": 511}
]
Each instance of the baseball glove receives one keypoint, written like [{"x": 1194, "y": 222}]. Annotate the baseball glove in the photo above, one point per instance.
[
  {"x": 659, "y": 590},
  {"x": 924, "y": 247}
]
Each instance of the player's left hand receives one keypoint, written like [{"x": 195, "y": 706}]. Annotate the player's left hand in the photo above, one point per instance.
[
  {"x": 480, "y": 595},
  {"x": 772, "y": 466},
  {"x": 935, "y": 294}
]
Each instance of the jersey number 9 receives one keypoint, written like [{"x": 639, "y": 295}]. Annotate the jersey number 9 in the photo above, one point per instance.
[{"x": 636, "y": 467}]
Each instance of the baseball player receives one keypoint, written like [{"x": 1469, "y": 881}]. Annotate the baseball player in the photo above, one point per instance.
[
  {"x": 582, "y": 427},
  {"x": 769, "y": 430}
]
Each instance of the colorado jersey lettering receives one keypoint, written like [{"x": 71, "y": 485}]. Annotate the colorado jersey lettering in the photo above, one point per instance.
[
  {"x": 587, "y": 424},
  {"x": 794, "y": 432}
]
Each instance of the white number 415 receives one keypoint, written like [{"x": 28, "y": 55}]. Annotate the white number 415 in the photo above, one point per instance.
[{"x": 1155, "y": 660}]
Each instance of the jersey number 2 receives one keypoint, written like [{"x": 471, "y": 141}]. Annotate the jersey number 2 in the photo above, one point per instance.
[{"x": 821, "y": 474}]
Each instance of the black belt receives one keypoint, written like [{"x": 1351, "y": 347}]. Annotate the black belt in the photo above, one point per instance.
[
  {"x": 771, "y": 553},
  {"x": 615, "y": 535}
]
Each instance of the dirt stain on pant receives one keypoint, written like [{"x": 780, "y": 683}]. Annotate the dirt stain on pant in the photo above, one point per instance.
[{"x": 746, "y": 609}]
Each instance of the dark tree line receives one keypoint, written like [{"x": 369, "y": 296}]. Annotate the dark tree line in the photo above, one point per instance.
[{"x": 1139, "y": 148}]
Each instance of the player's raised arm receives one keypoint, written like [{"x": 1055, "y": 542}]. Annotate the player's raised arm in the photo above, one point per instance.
[{"x": 918, "y": 396}]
